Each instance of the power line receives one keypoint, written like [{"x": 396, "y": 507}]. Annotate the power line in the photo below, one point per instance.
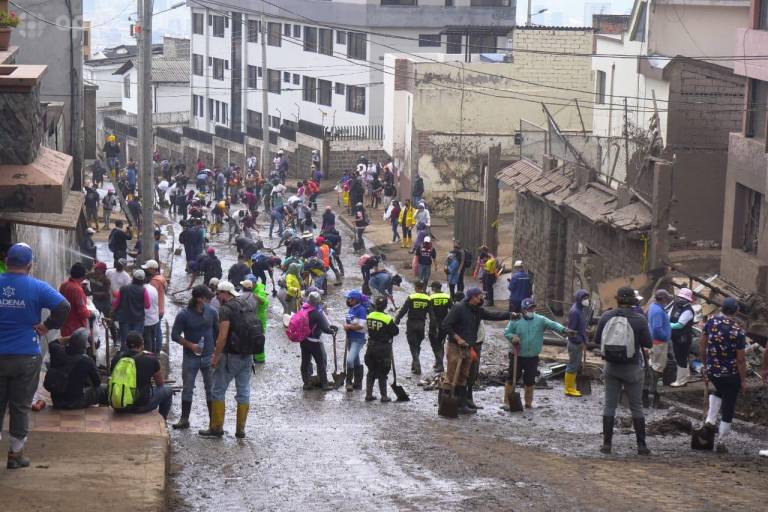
[{"x": 67, "y": 27}]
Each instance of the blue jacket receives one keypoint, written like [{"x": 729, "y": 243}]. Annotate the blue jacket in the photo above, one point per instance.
[
  {"x": 577, "y": 318},
  {"x": 357, "y": 315},
  {"x": 520, "y": 286},
  {"x": 658, "y": 323}
]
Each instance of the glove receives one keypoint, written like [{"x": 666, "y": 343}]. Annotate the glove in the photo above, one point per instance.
[{"x": 676, "y": 326}]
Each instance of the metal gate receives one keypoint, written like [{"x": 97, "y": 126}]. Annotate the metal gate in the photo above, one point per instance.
[{"x": 468, "y": 222}]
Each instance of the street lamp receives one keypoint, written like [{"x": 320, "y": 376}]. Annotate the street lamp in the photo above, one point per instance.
[{"x": 531, "y": 15}]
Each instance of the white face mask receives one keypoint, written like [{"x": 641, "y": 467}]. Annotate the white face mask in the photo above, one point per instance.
[{"x": 585, "y": 302}]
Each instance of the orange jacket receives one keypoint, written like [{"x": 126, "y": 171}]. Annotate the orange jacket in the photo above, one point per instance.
[{"x": 325, "y": 255}]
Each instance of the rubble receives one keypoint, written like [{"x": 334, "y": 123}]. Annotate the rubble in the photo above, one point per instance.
[{"x": 672, "y": 425}]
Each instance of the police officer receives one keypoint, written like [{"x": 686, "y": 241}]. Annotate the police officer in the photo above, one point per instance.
[
  {"x": 378, "y": 356},
  {"x": 417, "y": 309},
  {"x": 440, "y": 303}
]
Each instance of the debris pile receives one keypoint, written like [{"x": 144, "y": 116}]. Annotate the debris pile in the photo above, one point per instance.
[{"x": 670, "y": 426}]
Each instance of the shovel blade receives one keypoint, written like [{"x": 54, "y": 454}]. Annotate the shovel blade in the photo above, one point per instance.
[
  {"x": 338, "y": 379},
  {"x": 584, "y": 384},
  {"x": 515, "y": 403},
  {"x": 400, "y": 393},
  {"x": 447, "y": 405},
  {"x": 702, "y": 439}
]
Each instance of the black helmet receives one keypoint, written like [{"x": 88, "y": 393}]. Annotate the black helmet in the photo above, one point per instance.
[{"x": 380, "y": 303}]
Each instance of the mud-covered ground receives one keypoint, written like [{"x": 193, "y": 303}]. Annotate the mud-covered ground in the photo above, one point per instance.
[{"x": 333, "y": 451}]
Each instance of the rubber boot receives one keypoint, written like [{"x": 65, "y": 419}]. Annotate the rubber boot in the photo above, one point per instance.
[
  {"x": 416, "y": 363},
  {"x": 470, "y": 399},
  {"x": 608, "y": 422},
  {"x": 461, "y": 395},
  {"x": 242, "y": 416},
  {"x": 570, "y": 385},
  {"x": 369, "y": 381},
  {"x": 657, "y": 404},
  {"x": 646, "y": 399},
  {"x": 383, "y": 390},
  {"x": 639, "y": 424},
  {"x": 528, "y": 397},
  {"x": 183, "y": 423},
  {"x": 508, "y": 390},
  {"x": 306, "y": 378},
  {"x": 350, "y": 374},
  {"x": 210, "y": 412},
  {"x": 325, "y": 385},
  {"x": 683, "y": 374},
  {"x": 17, "y": 460},
  {"x": 359, "y": 371},
  {"x": 216, "y": 426}
]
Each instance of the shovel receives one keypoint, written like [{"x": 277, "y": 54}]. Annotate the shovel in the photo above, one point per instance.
[
  {"x": 583, "y": 382},
  {"x": 447, "y": 403},
  {"x": 338, "y": 378},
  {"x": 400, "y": 393},
  {"x": 515, "y": 403},
  {"x": 703, "y": 438}
]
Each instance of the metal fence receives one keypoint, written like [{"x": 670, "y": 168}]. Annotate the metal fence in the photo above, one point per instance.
[
  {"x": 360, "y": 132},
  {"x": 533, "y": 141}
]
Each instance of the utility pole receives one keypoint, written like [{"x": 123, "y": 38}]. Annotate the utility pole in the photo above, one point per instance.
[
  {"x": 265, "y": 162},
  {"x": 528, "y": 19},
  {"x": 144, "y": 128}
]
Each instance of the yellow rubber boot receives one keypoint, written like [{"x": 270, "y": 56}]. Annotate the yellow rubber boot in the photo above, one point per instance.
[
  {"x": 242, "y": 415},
  {"x": 508, "y": 389},
  {"x": 528, "y": 397},
  {"x": 570, "y": 385},
  {"x": 216, "y": 426}
]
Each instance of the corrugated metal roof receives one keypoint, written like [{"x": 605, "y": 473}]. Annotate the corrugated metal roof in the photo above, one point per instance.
[{"x": 170, "y": 70}]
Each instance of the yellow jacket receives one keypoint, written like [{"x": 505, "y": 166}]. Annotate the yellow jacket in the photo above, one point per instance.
[
  {"x": 407, "y": 217},
  {"x": 293, "y": 285}
]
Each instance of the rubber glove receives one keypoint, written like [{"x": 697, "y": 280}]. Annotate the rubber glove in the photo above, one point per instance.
[{"x": 677, "y": 326}]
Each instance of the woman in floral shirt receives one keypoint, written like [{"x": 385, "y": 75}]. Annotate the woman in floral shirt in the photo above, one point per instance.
[{"x": 723, "y": 341}]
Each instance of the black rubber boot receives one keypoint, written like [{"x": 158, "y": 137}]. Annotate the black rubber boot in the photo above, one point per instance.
[
  {"x": 210, "y": 412},
  {"x": 470, "y": 400},
  {"x": 608, "y": 422},
  {"x": 350, "y": 375},
  {"x": 359, "y": 371},
  {"x": 461, "y": 394},
  {"x": 369, "y": 381},
  {"x": 324, "y": 384},
  {"x": 383, "y": 390},
  {"x": 639, "y": 424},
  {"x": 306, "y": 378},
  {"x": 17, "y": 460},
  {"x": 646, "y": 399},
  {"x": 657, "y": 403},
  {"x": 183, "y": 423}
]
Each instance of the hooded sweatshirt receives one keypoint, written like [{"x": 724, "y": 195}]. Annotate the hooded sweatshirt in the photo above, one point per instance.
[
  {"x": 293, "y": 280},
  {"x": 578, "y": 318},
  {"x": 531, "y": 333}
]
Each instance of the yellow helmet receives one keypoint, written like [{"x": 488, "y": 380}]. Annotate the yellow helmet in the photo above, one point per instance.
[{"x": 111, "y": 138}]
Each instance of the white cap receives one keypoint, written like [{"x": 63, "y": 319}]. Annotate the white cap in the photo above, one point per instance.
[
  {"x": 214, "y": 281},
  {"x": 246, "y": 284},
  {"x": 226, "y": 286},
  {"x": 427, "y": 239},
  {"x": 90, "y": 231},
  {"x": 150, "y": 265},
  {"x": 519, "y": 263},
  {"x": 139, "y": 274}
]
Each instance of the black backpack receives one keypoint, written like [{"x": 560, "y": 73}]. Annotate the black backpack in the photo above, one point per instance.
[
  {"x": 56, "y": 380},
  {"x": 111, "y": 244},
  {"x": 246, "y": 335}
]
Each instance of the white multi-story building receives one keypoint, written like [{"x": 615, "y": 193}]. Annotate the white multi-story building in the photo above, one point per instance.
[{"x": 325, "y": 58}]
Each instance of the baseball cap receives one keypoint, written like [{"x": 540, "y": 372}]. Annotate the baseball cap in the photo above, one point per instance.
[
  {"x": 150, "y": 265},
  {"x": 730, "y": 306},
  {"x": 247, "y": 284},
  {"x": 528, "y": 303},
  {"x": 211, "y": 250},
  {"x": 90, "y": 231},
  {"x": 19, "y": 255},
  {"x": 226, "y": 286},
  {"x": 519, "y": 263},
  {"x": 427, "y": 239},
  {"x": 139, "y": 274},
  {"x": 101, "y": 266},
  {"x": 354, "y": 294},
  {"x": 626, "y": 295},
  {"x": 473, "y": 292},
  {"x": 661, "y": 293},
  {"x": 214, "y": 281}
]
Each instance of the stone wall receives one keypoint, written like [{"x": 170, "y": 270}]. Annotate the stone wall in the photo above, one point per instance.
[{"x": 343, "y": 155}]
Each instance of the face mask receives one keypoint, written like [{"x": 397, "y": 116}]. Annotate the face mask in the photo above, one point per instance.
[
  {"x": 528, "y": 316},
  {"x": 585, "y": 302}
]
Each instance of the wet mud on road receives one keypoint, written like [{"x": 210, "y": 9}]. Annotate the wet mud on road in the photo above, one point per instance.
[{"x": 333, "y": 451}]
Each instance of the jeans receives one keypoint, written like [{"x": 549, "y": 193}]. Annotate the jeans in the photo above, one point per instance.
[
  {"x": 628, "y": 376},
  {"x": 354, "y": 347},
  {"x": 107, "y": 215},
  {"x": 19, "y": 376},
  {"x": 160, "y": 397},
  {"x": 424, "y": 272},
  {"x": 233, "y": 366},
  {"x": 280, "y": 225},
  {"x": 190, "y": 365},
  {"x": 575, "y": 354},
  {"x": 152, "y": 342},
  {"x": 488, "y": 281},
  {"x": 91, "y": 396},
  {"x": 727, "y": 388},
  {"x": 395, "y": 234},
  {"x": 125, "y": 328},
  {"x": 112, "y": 164},
  {"x": 407, "y": 231}
]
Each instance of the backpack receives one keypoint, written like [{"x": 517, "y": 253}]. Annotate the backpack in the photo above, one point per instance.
[
  {"x": 298, "y": 327},
  {"x": 122, "y": 383},
  {"x": 111, "y": 243},
  {"x": 618, "y": 341},
  {"x": 56, "y": 380},
  {"x": 362, "y": 260},
  {"x": 247, "y": 334}
]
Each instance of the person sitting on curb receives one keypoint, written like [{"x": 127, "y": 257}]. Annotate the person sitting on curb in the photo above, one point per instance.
[
  {"x": 73, "y": 379},
  {"x": 526, "y": 336}
]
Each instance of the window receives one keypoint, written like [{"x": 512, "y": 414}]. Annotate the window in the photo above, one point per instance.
[
  {"x": 429, "y": 40},
  {"x": 254, "y": 118},
  {"x": 86, "y": 38},
  {"x": 638, "y": 34},
  {"x": 341, "y": 37},
  {"x": 310, "y": 89},
  {"x": 127, "y": 86},
  {"x": 253, "y": 75},
  {"x": 324, "y": 92},
  {"x": 254, "y": 27},
  {"x": 273, "y": 81},
  {"x": 489, "y": 3},
  {"x": 286, "y": 77},
  {"x": 762, "y": 20},
  {"x": 310, "y": 39},
  {"x": 259, "y": 72},
  {"x": 210, "y": 109},
  {"x": 197, "y": 23},
  {"x": 356, "y": 99},
  {"x": 398, "y": 2},
  {"x": 296, "y": 79},
  {"x": 197, "y": 64},
  {"x": 224, "y": 113},
  {"x": 274, "y": 122},
  {"x": 287, "y": 30},
  {"x": 216, "y": 111},
  {"x": 273, "y": 34},
  {"x": 197, "y": 105},
  {"x": 218, "y": 69},
  {"x": 600, "y": 88},
  {"x": 746, "y": 219},
  {"x": 326, "y": 41},
  {"x": 756, "y": 113},
  {"x": 297, "y": 31},
  {"x": 339, "y": 88},
  {"x": 289, "y": 124},
  {"x": 449, "y": 3},
  {"x": 482, "y": 43},
  {"x": 356, "y": 43},
  {"x": 218, "y": 26},
  {"x": 453, "y": 44}
]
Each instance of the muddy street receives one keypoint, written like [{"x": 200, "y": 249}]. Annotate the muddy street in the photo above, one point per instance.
[{"x": 309, "y": 447}]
